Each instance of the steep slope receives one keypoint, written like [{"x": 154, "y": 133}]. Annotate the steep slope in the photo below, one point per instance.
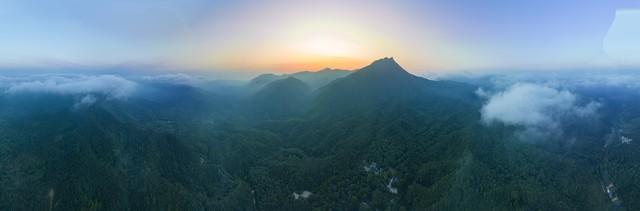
[{"x": 385, "y": 81}]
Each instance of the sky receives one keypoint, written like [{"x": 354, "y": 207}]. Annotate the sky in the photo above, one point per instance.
[{"x": 246, "y": 36}]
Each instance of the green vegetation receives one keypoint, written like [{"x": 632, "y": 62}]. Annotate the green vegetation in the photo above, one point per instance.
[{"x": 378, "y": 139}]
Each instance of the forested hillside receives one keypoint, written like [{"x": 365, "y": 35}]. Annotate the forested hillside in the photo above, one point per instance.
[{"x": 379, "y": 138}]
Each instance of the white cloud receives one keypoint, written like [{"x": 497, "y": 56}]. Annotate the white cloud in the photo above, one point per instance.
[
  {"x": 480, "y": 92},
  {"x": 539, "y": 108},
  {"x": 110, "y": 86},
  {"x": 86, "y": 101}
]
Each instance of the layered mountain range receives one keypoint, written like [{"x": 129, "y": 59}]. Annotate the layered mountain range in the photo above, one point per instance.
[{"x": 376, "y": 138}]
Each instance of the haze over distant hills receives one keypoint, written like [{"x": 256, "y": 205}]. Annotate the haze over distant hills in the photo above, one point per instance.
[
  {"x": 313, "y": 79},
  {"x": 197, "y": 105},
  {"x": 375, "y": 138}
]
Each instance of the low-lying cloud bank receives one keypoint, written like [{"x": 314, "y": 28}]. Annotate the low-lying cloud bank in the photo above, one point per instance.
[
  {"x": 111, "y": 86},
  {"x": 540, "y": 109},
  {"x": 89, "y": 89}
]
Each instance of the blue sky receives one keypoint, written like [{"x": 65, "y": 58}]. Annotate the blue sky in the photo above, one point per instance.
[{"x": 290, "y": 35}]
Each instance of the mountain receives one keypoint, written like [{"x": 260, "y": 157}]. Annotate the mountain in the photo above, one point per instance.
[
  {"x": 379, "y": 138},
  {"x": 315, "y": 79},
  {"x": 380, "y": 116},
  {"x": 280, "y": 98},
  {"x": 384, "y": 81},
  {"x": 382, "y": 138},
  {"x": 320, "y": 78},
  {"x": 262, "y": 80}
]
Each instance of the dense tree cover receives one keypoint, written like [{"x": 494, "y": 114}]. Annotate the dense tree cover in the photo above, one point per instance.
[
  {"x": 623, "y": 158},
  {"x": 280, "y": 99},
  {"x": 378, "y": 139}
]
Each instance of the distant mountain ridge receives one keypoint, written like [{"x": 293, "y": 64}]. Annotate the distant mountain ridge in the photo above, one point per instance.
[{"x": 315, "y": 79}]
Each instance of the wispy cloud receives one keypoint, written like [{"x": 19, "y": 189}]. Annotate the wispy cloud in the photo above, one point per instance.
[
  {"x": 539, "y": 109},
  {"x": 85, "y": 101},
  {"x": 111, "y": 86}
]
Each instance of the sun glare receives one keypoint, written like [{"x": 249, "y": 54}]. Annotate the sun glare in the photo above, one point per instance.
[{"x": 328, "y": 46}]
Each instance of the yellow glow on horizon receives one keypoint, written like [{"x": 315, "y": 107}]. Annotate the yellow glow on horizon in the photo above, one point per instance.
[
  {"x": 319, "y": 62},
  {"x": 307, "y": 45},
  {"x": 316, "y": 36},
  {"x": 328, "y": 46}
]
